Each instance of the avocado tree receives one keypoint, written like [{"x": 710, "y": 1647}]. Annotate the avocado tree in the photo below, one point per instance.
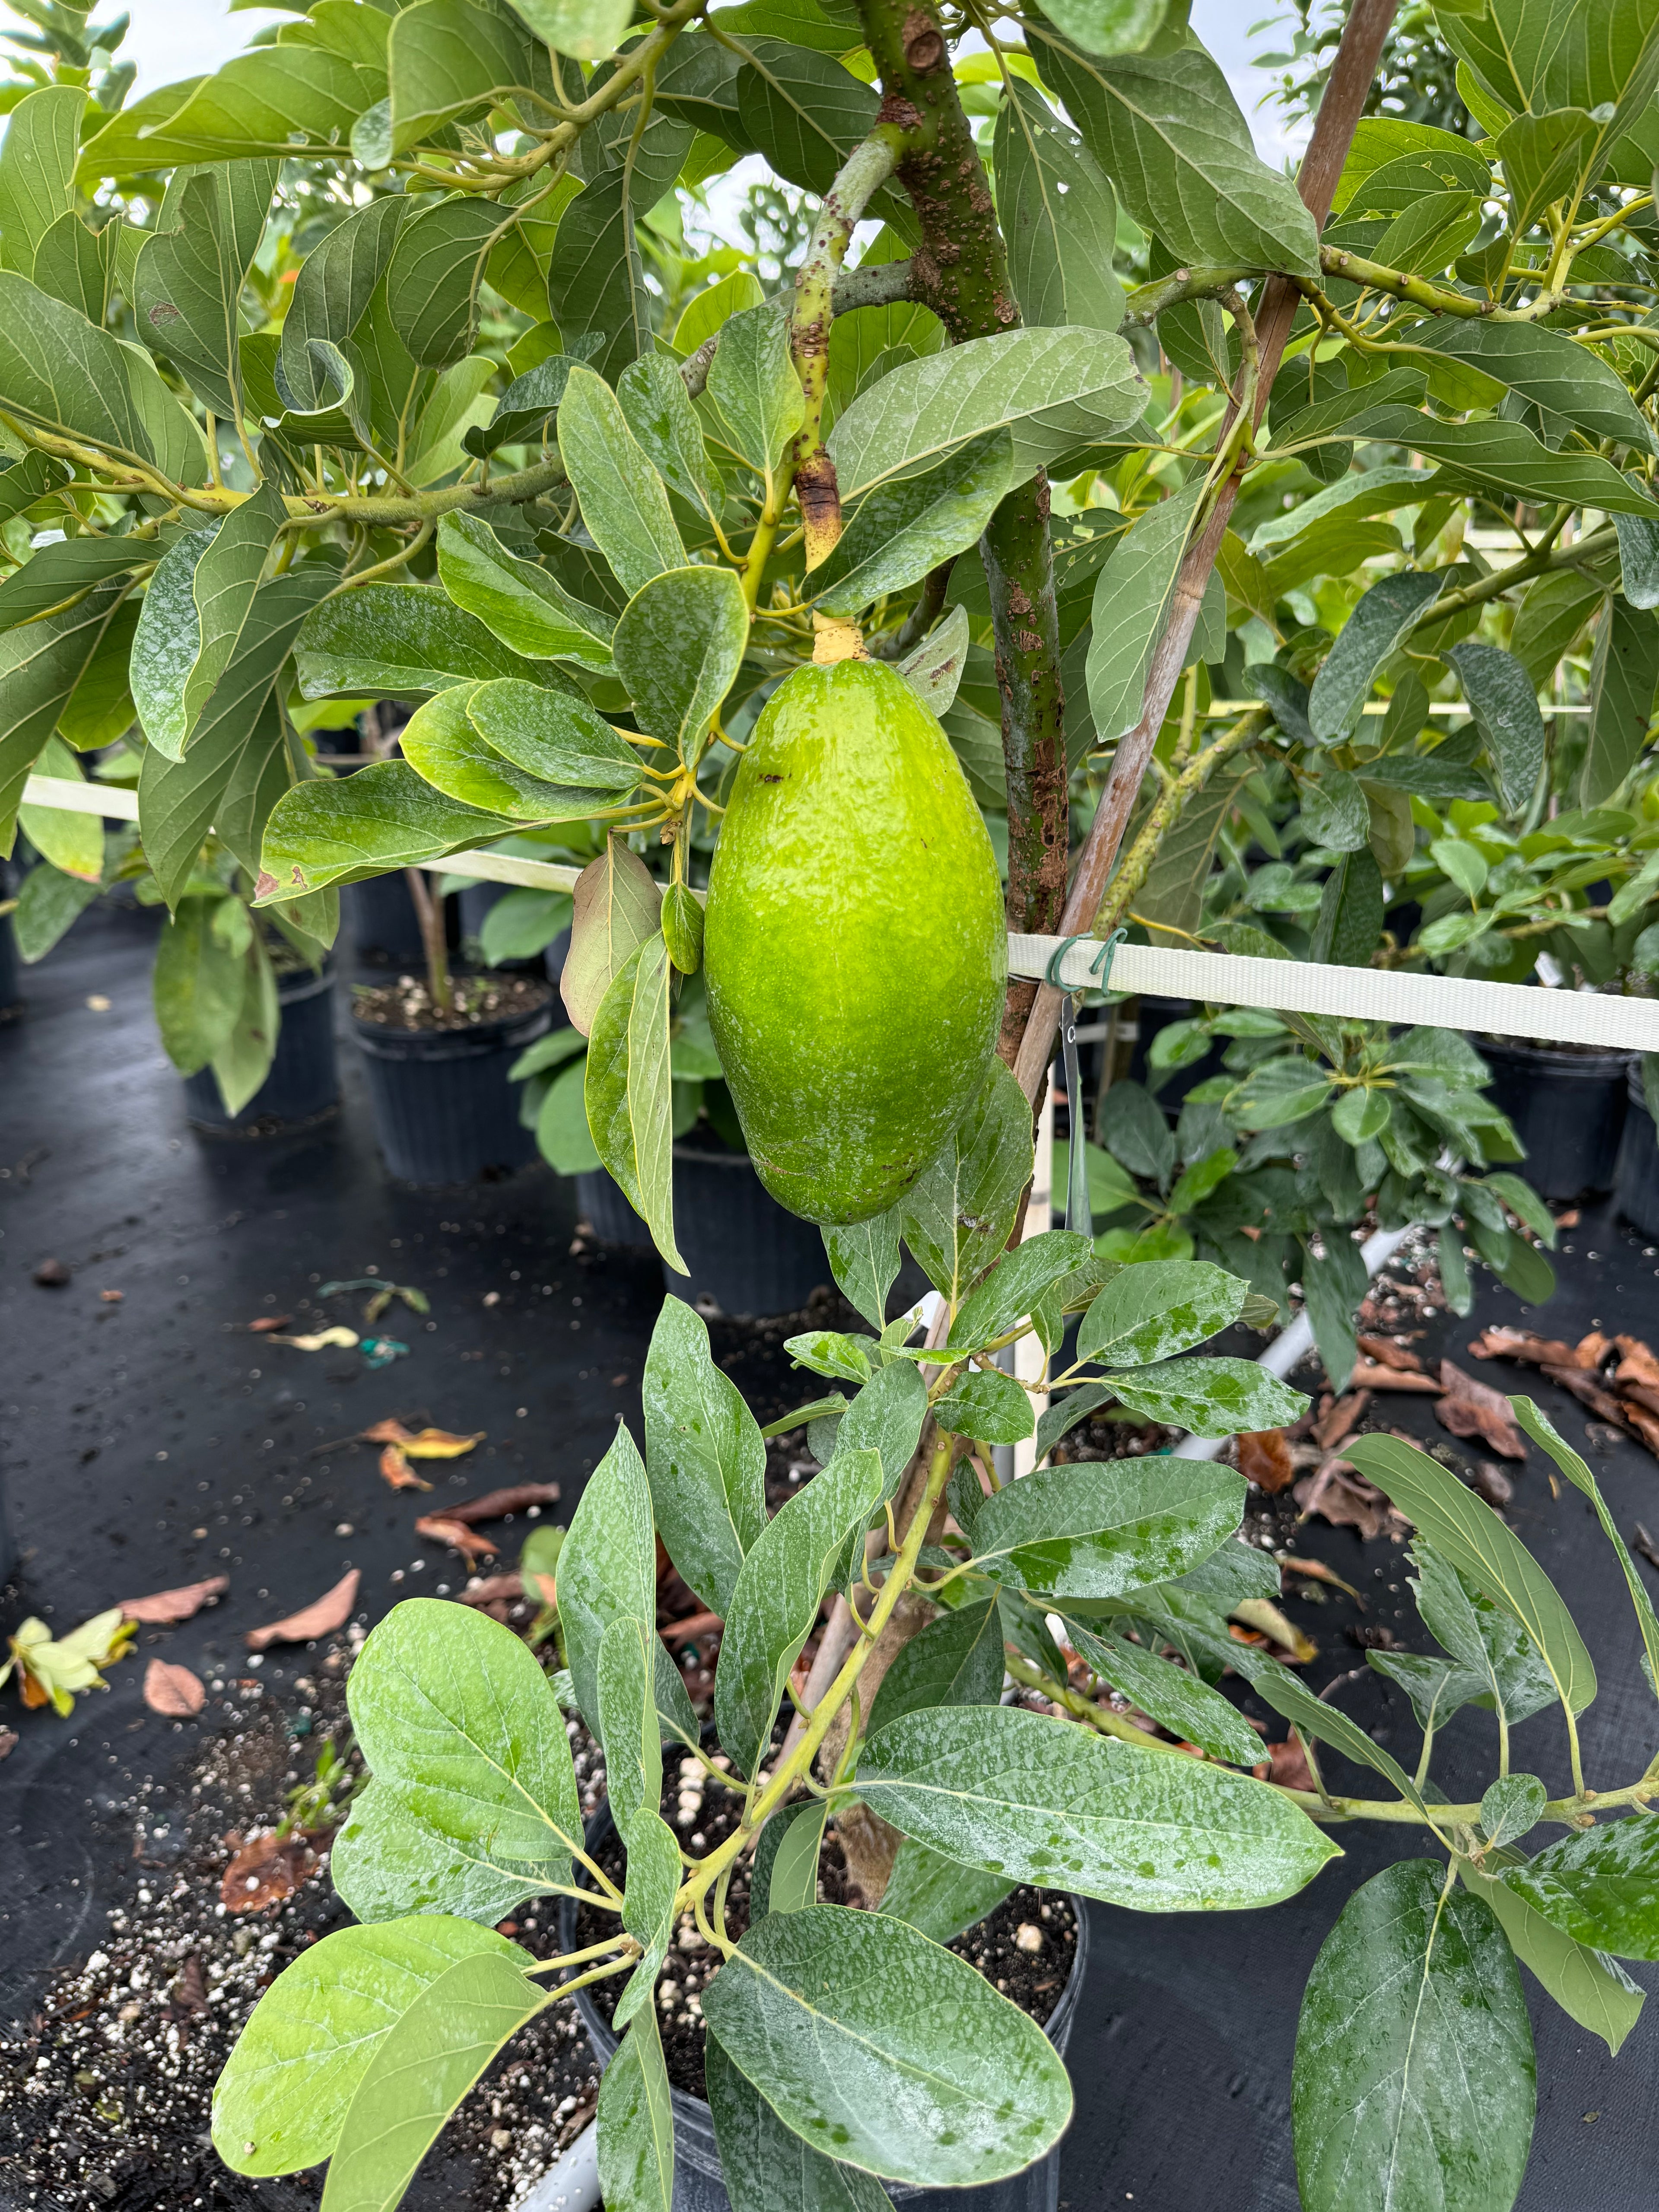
[{"x": 379, "y": 364}]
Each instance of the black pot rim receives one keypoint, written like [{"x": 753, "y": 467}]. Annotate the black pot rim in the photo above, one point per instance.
[
  {"x": 1602, "y": 1065},
  {"x": 296, "y": 985},
  {"x": 480, "y": 1040},
  {"x": 694, "y": 2110}
]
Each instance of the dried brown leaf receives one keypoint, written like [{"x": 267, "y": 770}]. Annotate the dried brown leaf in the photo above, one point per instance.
[
  {"x": 492, "y": 1590},
  {"x": 266, "y": 1322},
  {"x": 438, "y": 1529},
  {"x": 1635, "y": 1362},
  {"x": 8, "y": 1742},
  {"x": 329, "y": 1612},
  {"x": 1586, "y": 1387},
  {"x": 1343, "y": 1418},
  {"x": 1520, "y": 1344},
  {"x": 174, "y": 1690},
  {"x": 1368, "y": 1375},
  {"x": 1472, "y": 1409},
  {"x": 1645, "y": 1425},
  {"x": 1387, "y": 1353},
  {"x": 163, "y": 1607},
  {"x": 1286, "y": 1763},
  {"x": 1594, "y": 1350},
  {"x": 1337, "y": 1494},
  {"x": 397, "y": 1470},
  {"x": 515, "y": 1499},
  {"x": 1265, "y": 1459},
  {"x": 265, "y": 1872}
]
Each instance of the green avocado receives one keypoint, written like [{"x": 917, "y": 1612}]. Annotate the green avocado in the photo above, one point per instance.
[{"x": 854, "y": 946}]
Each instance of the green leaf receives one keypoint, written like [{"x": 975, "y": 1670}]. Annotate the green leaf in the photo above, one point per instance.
[
  {"x": 1378, "y": 625},
  {"x": 37, "y": 169},
  {"x": 679, "y": 647},
  {"x": 438, "y": 261},
  {"x": 56, "y": 572},
  {"x": 397, "y": 641},
  {"x": 446, "y": 59},
  {"x": 628, "y": 1718},
  {"x": 1623, "y": 678},
  {"x": 1543, "y": 1431},
  {"x": 987, "y": 1405},
  {"x": 1350, "y": 921},
  {"x": 587, "y": 30},
  {"x": 1414, "y": 2070},
  {"x": 1504, "y": 706},
  {"x": 1599, "y": 1887},
  {"x": 1335, "y": 1283},
  {"x": 802, "y": 110},
  {"x": 1064, "y": 1414},
  {"x": 864, "y": 1259},
  {"x": 1209, "y": 1397},
  {"x": 1008, "y": 1291},
  {"x": 1548, "y": 370},
  {"x": 336, "y": 282},
  {"x": 1470, "y": 1537},
  {"x": 273, "y": 101},
  {"x": 765, "y": 2165},
  {"x": 517, "y": 600},
  {"x": 61, "y": 374},
  {"x": 1054, "y": 389},
  {"x": 473, "y": 1804},
  {"x": 440, "y": 744},
  {"x": 71, "y": 842},
  {"x": 49, "y": 903},
  {"x": 1512, "y": 1806},
  {"x": 420, "y": 2072},
  {"x": 168, "y": 642},
  {"x": 626, "y": 1087},
  {"x": 933, "y": 672},
  {"x": 1509, "y": 457},
  {"x": 956, "y": 1660},
  {"x": 706, "y": 1460},
  {"x": 197, "y": 986},
  {"x": 243, "y": 1060},
  {"x": 886, "y": 1417},
  {"x": 596, "y": 287},
  {"x": 624, "y": 501},
  {"x": 384, "y": 816},
  {"x": 1360, "y": 1116},
  {"x": 1150, "y": 1312},
  {"x": 957, "y": 1217},
  {"x": 780, "y": 1588},
  {"x": 545, "y": 734},
  {"x": 654, "y": 1882},
  {"x": 636, "y": 2123},
  {"x": 1043, "y": 1800},
  {"x": 283, "y": 2097},
  {"x": 661, "y": 415},
  {"x": 1169, "y": 132},
  {"x": 1334, "y": 808},
  {"x": 523, "y": 923},
  {"x": 1132, "y": 598},
  {"x": 754, "y": 392},
  {"x": 1589, "y": 1987},
  {"x": 902, "y": 530},
  {"x": 24, "y": 482},
  {"x": 1058, "y": 214},
  {"x": 616, "y": 910},
  {"x": 1638, "y": 563},
  {"x": 868, "y": 2040},
  {"x": 936, "y": 1894},
  {"x": 190, "y": 277},
  {"x": 608, "y": 1567},
  {"x": 1177, "y": 1700},
  {"x": 1102, "y": 1527},
  {"x": 40, "y": 666}
]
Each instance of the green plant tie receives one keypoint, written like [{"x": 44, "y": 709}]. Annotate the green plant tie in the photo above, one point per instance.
[{"x": 1079, "y": 1214}]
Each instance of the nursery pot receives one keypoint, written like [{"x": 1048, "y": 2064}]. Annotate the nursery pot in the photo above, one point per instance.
[
  {"x": 1636, "y": 1184},
  {"x": 698, "y": 2185},
  {"x": 381, "y": 920},
  {"x": 11, "y": 993},
  {"x": 444, "y": 1109},
  {"x": 1568, "y": 1108},
  {"x": 745, "y": 1253},
  {"x": 600, "y": 1204},
  {"x": 303, "y": 1086}
]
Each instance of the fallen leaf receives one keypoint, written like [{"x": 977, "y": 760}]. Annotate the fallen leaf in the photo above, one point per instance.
[
  {"x": 1317, "y": 1571},
  {"x": 1286, "y": 1763},
  {"x": 438, "y": 1529},
  {"x": 329, "y": 1612},
  {"x": 397, "y": 1470},
  {"x": 1587, "y": 1389},
  {"x": 495, "y": 1503},
  {"x": 174, "y": 1690},
  {"x": 344, "y": 1337},
  {"x": 1342, "y": 1496},
  {"x": 697, "y": 1624},
  {"x": 1262, "y": 1613},
  {"x": 265, "y": 1872},
  {"x": 492, "y": 1590},
  {"x": 1592, "y": 1350},
  {"x": 1490, "y": 1483},
  {"x": 1570, "y": 1219},
  {"x": 190, "y": 1990},
  {"x": 1368, "y": 1375},
  {"x": 438, "y": 1444},
  {"x": 1264, "y": 1458},
  {"x": 163, "y": 1607},
  {"x": 1645, "y": 1423},
  {"x": 1387, "y": 1353},
  {"x": 1474, "y": 1409},
  {"x": 1343, "y": 1418},
  {"x": 8, "y": 1742},
  {"x": 1644, "y": 1543},
  {"x": 1635, "y": 1363},
  {"x": 265, "y": 1322},
  {"x": 111, "y": 1297},
  {"x": 1520, "y": 1344}
]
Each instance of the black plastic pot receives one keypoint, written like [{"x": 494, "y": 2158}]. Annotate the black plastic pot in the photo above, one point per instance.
[
  {"x": 11, "y": 987},
  {"x": 747, "y": 1255},
  {"x": 379, "y": 918},
  {"x": 444, "y": 1111},
  {"x": 303, "y": 1086},
  {"x": 600, "y": 1204},
  {"x": 1635, "y": 1183},
  {"x": 698, "y": 2185},
  {"x": 1568, "y": 1108}
]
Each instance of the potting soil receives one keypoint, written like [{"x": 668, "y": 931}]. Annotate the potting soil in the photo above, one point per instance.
[{"x": 152, "y": 1441}]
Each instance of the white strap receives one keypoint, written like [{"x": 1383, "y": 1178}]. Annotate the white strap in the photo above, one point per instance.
[{"x": 1371, "y": 994}]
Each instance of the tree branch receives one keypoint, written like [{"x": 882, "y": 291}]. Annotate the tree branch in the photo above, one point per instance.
[{"x": 1346, "y": 93}]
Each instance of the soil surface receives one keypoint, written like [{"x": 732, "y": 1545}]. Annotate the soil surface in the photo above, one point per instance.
[
  {"x": 408, "y": 1004},
  {"x": 147, "y": 1442}
]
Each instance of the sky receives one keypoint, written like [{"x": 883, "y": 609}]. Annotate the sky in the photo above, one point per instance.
[{"x": 172, "y": 38}]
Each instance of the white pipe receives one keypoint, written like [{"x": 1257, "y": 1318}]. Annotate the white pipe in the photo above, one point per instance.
[
  {"x": 572, "y": 2183},
  {"x": 1293, "y": 1344}
]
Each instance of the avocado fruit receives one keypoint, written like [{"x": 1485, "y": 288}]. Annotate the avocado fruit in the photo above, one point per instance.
[{"x": 854, "y": 945}]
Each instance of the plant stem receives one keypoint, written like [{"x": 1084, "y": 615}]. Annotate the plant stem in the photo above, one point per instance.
[
  {"x": 1166, "y": 812},
  {"x": 1346, "y": 94},
  {"x": 429, "y": 912}
]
